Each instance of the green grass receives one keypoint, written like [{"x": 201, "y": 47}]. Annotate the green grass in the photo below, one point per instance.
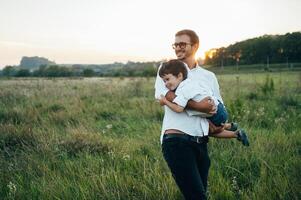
[{"x": 98, "y": 138}]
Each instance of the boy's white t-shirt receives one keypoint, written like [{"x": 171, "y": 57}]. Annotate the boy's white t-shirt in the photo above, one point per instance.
[{"x": 189, "y": 89}]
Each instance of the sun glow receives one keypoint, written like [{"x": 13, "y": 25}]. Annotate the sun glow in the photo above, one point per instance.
[
  {"x": 210, "y": 53},
  {"x": 200, "y": 54}
]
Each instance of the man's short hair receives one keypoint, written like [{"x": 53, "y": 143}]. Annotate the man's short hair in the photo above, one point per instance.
[
  {"x": 174, "y": 67},
  {"x": 194, "y": 38}
]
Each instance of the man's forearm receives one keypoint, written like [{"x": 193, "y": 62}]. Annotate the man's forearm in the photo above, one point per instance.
[{"x": 206, "y": 105}]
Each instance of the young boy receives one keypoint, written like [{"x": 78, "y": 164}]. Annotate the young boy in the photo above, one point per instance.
[{"x": 174, "y": 75}]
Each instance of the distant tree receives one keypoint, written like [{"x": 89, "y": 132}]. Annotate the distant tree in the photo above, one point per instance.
[
  {"x": 149, "y": 71},
  {"x": 53, "y": 71},
  {"x": 57, "y": 71},
  {"x": 292, "y": 46},
  {"x": 9, "y": 71},
  {"x": 40, "y": 72},
  {"x": 88, "y": 72},
  {"x": 23, "y": 73}
]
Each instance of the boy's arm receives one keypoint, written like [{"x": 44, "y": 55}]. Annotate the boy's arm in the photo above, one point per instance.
[
  {"x": 206, "y": 105},
  {"x": 173, "y": 106}
]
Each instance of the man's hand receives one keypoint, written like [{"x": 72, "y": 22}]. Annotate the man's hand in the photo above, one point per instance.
[
  {"x": 208, "y": 101},
  {"x": 206, "y": 105},
  {"x": 170, "y": 96},
  {"x": 215, "y": 129}
]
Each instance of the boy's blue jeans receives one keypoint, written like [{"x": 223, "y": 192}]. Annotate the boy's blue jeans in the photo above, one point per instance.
[{"x": 221, "y": 115}]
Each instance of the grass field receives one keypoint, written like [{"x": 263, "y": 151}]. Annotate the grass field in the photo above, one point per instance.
[{"x": 98, "y": 138}]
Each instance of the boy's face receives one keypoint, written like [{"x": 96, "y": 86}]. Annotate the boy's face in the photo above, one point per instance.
[{"x": 171, "y": 81}]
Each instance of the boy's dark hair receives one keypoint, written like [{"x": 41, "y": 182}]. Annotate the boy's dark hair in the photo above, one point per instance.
[
  {"x": 194, "y": 38},
  {"x": 174, "y": 67}
]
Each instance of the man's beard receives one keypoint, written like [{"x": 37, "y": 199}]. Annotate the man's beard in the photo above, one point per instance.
[{"x": 183, "y": 52}]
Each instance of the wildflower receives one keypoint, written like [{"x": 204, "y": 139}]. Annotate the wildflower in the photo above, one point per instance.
[
  {"x": 12, "y": 188},
  {"x": 126, "y": 157},
  {"x": 109, "y": 126},
  {"x": 111, "y": 154},
  {"x": 234, "y": 184}
]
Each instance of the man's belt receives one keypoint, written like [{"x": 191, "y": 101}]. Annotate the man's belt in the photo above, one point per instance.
[{"x": 197, "y": 139}]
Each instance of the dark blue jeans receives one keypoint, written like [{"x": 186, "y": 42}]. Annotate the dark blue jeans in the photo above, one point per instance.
[
  {"x": 189, "y": 164},
  {"x": 221, "y": 115}
]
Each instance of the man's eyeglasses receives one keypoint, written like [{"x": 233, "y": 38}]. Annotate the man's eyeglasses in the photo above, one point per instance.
[{"x": 182, "y": 45}]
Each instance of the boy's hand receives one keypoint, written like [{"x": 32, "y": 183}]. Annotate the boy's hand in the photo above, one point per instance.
[
  {"x": 163, "y": 100},
  {"x": 170, "y": 96}
]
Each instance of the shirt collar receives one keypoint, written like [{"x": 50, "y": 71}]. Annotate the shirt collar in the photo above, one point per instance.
[
  {"x": 184, "y": 82},
  {"x": 195, "y": 68}
]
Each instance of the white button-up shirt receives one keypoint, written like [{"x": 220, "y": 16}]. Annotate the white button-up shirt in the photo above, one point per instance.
[
  {"x": 190, "y": 124},
  {"x": 189, "y": 89}
]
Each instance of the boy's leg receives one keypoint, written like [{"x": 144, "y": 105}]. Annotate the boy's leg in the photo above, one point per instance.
[
  {"x": 231, "y": 126},
  {"x": 240, "y": 135},
  {"x": 227, "y": 126},
  {"x": 213, "y": 129},
  {"x": 224, "y": 134}
]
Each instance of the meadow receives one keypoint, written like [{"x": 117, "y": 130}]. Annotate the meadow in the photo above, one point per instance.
[{"x": 98, "y": 138}]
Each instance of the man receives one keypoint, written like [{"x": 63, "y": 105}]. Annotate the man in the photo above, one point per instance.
[{"x": 184, "y": 137}]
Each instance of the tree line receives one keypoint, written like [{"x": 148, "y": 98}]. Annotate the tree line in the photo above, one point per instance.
[
  {"x": 130, "y": 69},
  {"x": 265, "y": 49}
]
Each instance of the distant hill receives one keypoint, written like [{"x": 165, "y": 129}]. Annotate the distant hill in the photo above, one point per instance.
[{"x": 34, "y": 62}]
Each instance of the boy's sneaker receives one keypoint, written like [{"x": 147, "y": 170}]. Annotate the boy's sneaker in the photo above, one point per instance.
[
  {"x": 234, "y": 126},
  {"x": 242, "y": 137}
]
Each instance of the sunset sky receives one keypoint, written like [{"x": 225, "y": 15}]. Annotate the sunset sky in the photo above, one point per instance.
[{"x": 105, "y": 31}]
